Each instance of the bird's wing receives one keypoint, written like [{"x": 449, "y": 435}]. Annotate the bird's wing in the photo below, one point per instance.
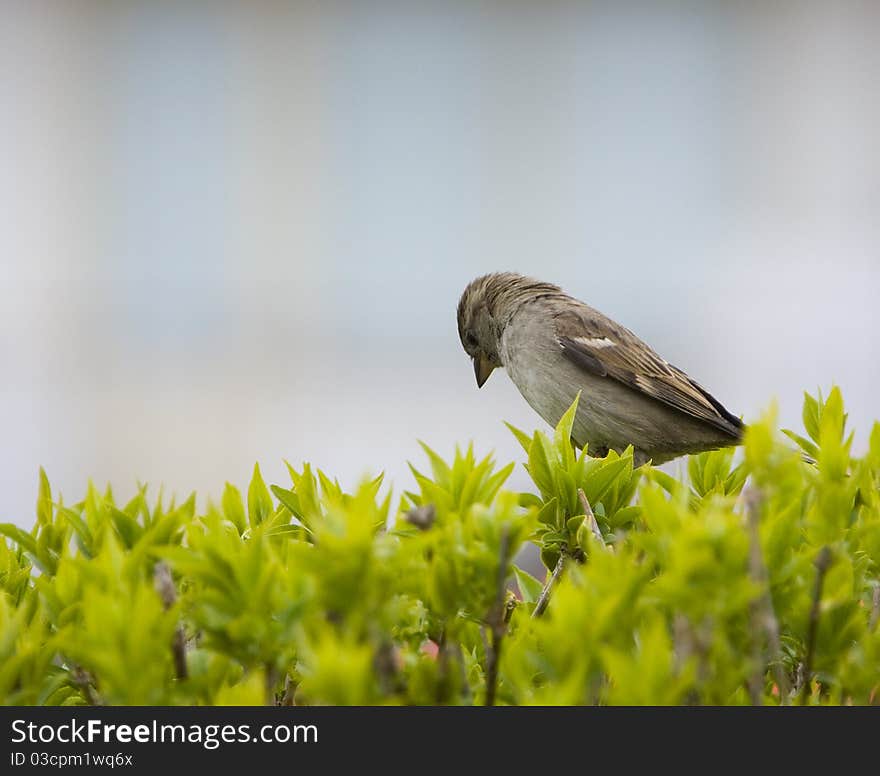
[{"x": 603, "y": 348}]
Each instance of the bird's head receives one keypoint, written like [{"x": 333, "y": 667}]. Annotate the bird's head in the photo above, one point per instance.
[
  {"x": 485, "y": 308},
  {"x": 477, "y": 328}
]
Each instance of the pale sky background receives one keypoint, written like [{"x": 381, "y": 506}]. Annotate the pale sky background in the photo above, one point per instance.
[{"x": 238, "y": 232}]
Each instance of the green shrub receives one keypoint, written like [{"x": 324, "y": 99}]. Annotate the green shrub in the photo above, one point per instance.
[{"x": 748, "y": 583}]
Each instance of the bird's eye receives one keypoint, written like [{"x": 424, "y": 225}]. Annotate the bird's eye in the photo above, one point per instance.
[{"x": 470, "y": 341}]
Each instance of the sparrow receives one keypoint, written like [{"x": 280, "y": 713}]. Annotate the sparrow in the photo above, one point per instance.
[{"x": 554, "y": 346}]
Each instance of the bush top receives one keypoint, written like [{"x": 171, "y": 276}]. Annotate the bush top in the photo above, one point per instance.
[{"x": 748, "y": 582}]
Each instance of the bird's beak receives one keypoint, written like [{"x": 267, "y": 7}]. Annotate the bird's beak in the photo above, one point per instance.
[{"x": 482, "y": 369}]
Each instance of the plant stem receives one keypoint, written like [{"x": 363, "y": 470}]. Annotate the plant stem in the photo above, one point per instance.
[
  {"x": 442, "y": 695},
  {"x": 497, "y": 624},
  {"x": 823, "y": 561},
  {"x": 271, "y": 679},
  {"x": 544, "y": 598},
  {"x": 164, "y": 583},
  {"x": 875, "y": 608},
  {"x": 762, "y": 610},
  {"x": 462, "y": 671},
  {"x": 591, "y": 518},
  {"x": 289, "y": 690},
  {"x": 559, "y": 568},
  {"x": 84, "y": 680},
  {"x": 178, "y": 647}
]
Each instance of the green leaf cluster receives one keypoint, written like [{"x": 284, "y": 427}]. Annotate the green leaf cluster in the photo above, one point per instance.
[{"x": 755, "y": 578}]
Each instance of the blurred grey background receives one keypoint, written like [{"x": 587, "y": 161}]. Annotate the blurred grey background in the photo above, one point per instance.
[{"x": 238, "y": 232}]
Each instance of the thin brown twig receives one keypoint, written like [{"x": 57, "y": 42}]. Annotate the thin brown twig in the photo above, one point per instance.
[
  {"x": 875, "y": 608},
  {"x": 458, "y": 656},
  {"x": 688, "y": 645},
  {"x": 823, "y": 561},
  {"x": 385, "y": 667},
  {"x": 178, "y": 647},
  {"x": 164, "y": 583},
  {"x": 591, "y": 518},
  {"x": 510, "y": 606},
  {"x": 86, "y": 682},
  {"x": 288, "y": 699},
  {"x": 577, "y": 553},
  {"x": 442, "y": 693},
  {"x": 544, "y": 598},
  {"x": 683, "y": 639},
  {"x": 271, "y": 683},
  {"x": 496, "y": 620},
  {"x": 762, "y": 609}
]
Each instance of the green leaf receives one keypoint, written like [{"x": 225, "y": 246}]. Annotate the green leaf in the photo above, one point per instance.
[
  {"x": 233, "y": 507},
  {"x": 696, "y": 470},
  {"x": 44, "y": 500},
  {"x": 623, "y": 517},
  {"x": 492, "y": 485},
  {"x": 562, "y": 434},
  {"x": 288, "y": 498},
  {"x": 305, "y": 488},
  {"x": 805, "y": 444},
  {"x": 832, "y": 420},
  {"x": 811, "y": 416},
  {"x": 259, "y": 501},
  {"x": 529, "y": 500},
  {"x": 439, "y": 468},
  {"x": 126, "y": 526},
  {"x": 735, "y": 480},
  {"x": 539, "y": 466},
  {"x": 599, "y": 480},
  {"x": 529, "y": 588},
  {"x": 547, "y": 513},
  {"x": 550, "y": 556},
  {"x": 555, "y": 537},
  {"x": 330, "y": 490},
  {"x": 84, "y": 538},
  {"x": 137, "y": 508},
  {"x": 522, "y": 437},
  {"x": 285, "y": 529},
  {"x": 666, "y": 481},
  {"x": 23, "y": 539}
]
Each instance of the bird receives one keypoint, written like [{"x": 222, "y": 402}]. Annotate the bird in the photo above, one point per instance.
[{"x": 555, "y": 348}]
